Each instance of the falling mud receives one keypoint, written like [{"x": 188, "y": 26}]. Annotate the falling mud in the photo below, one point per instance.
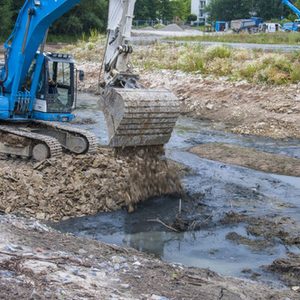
[{"x": 84, "y": 185}]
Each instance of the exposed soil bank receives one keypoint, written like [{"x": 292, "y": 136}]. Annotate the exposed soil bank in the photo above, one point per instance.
[
  {"x": 272, "y": 111},
  {"x": 250, "y": 158},
  {"x": 38, "y": 263},
  {"x": 84, "y": 185}
]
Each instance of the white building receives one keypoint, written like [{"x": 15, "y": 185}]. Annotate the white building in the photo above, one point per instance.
[{"x": 198, "y": 9}]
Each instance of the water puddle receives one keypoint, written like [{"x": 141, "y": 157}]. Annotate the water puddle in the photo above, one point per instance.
[{"x": 215, "y": 189}]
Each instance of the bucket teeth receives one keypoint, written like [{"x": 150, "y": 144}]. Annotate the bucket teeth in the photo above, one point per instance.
[{"x": 140, "y": 117}]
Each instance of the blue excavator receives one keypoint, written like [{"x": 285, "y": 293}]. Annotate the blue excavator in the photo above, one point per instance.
[
  {"x": 292, "y": 26},
  {"x": 38, "y": 89}
]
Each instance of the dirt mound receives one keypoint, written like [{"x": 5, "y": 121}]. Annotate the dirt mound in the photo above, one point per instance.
[
  {"x": 84, "y": 185},
  {"x": 271, "y": 111},
  {"x": 171, "y": 27}
]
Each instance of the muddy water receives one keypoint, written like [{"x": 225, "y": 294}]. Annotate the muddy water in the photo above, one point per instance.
[{"x": 213, "y": 189}]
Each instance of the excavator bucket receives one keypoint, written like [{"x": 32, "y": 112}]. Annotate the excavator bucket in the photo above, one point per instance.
[{"x": 139, "y": 117}]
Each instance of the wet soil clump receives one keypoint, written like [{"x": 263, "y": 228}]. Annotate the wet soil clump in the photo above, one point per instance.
[
  {"x": 75, "y": 186},
  {"x": 268, "y": 227},
  {"x": 263, "y": 233},
  {"x": 288, "y": 269},
  {"x": 250, "y": 158}
]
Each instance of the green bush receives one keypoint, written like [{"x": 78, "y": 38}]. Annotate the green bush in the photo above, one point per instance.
[{"x": 218, "y": 52}]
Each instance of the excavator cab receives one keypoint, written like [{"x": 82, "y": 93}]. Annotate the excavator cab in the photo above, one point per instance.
[{"x": 56, "y": 91}]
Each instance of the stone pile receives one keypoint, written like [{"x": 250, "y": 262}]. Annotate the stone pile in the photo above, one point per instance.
[{"x": 84, "y": 185}]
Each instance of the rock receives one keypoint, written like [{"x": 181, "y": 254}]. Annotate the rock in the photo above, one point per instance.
[
  {"x": 118, "y": 259},
  {"x": 209, "y": 106}
]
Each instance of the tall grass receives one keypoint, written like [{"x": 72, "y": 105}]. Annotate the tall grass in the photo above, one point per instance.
[
  {"x": 291, "y": 38},
  {"x": 252, "y": 66}
]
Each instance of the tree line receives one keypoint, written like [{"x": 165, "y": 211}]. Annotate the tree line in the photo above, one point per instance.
[
  {"x": 92, "y": 14},
  {"x": 238, "y": 9}
]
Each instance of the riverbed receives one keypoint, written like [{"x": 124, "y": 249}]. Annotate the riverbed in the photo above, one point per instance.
[{"x": 223, "y": 204}]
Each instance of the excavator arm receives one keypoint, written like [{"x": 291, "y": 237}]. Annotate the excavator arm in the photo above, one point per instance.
[
  {"x": 135, "y": 116},
  {"x": 292, "y": 7}
]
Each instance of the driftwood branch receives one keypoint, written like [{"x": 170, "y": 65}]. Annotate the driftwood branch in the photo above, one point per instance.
[{"x": 157, "y": 220}]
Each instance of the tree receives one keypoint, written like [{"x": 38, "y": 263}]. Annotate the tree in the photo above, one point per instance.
[
  {"x": 192, "y": 18},
  {"x": 239, "y": 9},
  {"x": 145, "y": 9},
  {"x": 269, "y": 9},
  {"x": 181, "y": 9},
  {"x": 6, "y": 16},
  {"x": 87, "y": 15},
  {"x": 227, "y": 10}
]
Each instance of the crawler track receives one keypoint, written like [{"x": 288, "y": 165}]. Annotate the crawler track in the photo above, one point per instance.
[
  {"x": 89, "y": 137},
  {"x": 54, "y": 147}
]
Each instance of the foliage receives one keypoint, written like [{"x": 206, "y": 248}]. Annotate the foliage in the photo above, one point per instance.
[
  {"x": 88, "y": 15},
  {"x": 228, "y": 10},
  {"x": 5, "y": 16},
  {"x": 162, "y": 9},
  {"x": 92, "y": 14},
  {"x": 192, "y": 18},
  {"x": 252, "y": 66}
]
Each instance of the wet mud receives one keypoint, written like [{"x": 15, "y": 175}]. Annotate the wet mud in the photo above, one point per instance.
[
  {"x": 288, "y": 269},
  {"x": 250, "y": 158},
  {"x": 231, "y": 219},
  {"x": 39, "y": 263}
]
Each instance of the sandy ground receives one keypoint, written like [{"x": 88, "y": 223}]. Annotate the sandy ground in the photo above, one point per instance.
[{"x": 39, "y": 263}]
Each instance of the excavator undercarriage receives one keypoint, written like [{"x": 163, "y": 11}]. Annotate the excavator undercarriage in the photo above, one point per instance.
[{"x": 40, "y": 140}]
